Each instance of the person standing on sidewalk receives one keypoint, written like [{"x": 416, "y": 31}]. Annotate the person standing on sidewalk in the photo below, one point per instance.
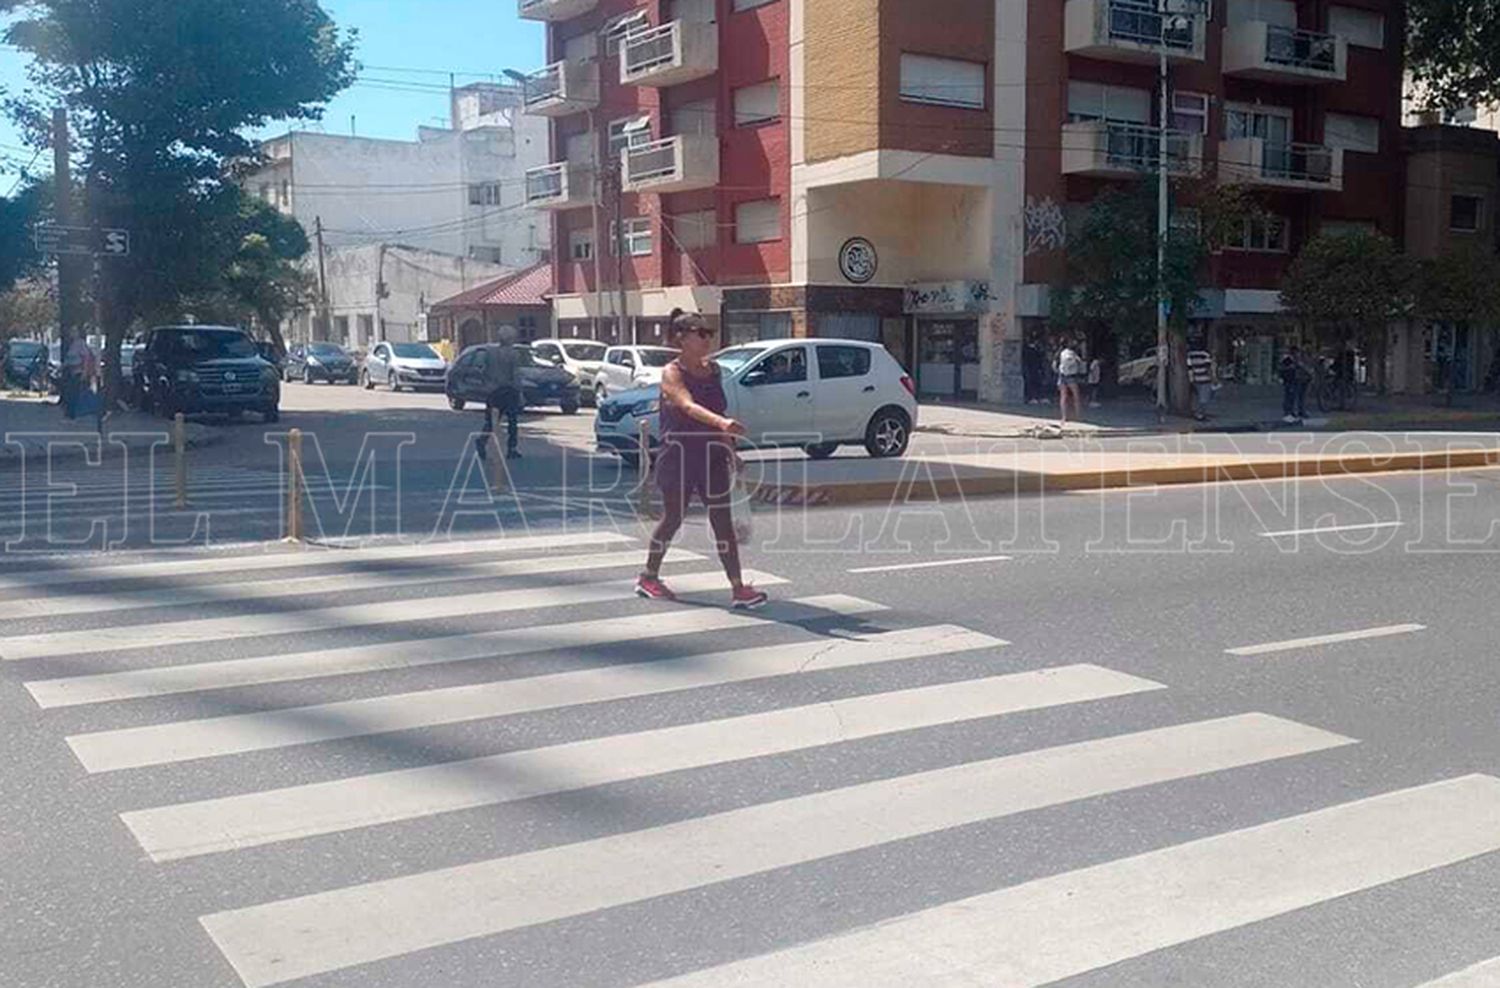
[
  {"x": 1200, "y": 367},
  {"x": 76, "y": 361},
  {"x": 504, "y": 393},
  {"x": 1071, "y": 374},
  {"x": 697, "y": 458},
  {"x": 1096, "y": 375},
  {"x": 1293, "y": 386}
]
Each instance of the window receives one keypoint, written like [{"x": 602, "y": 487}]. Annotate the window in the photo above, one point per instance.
[
  {"x": 694, "y": 231},
  {"x": 700, "y": 117},
  {"x": 1095, "y": 101},
  {"x": 615, "y": 31},
  {"x": 636, "y": 235},
  {"x": 1279, "y": 12},
  {"x": 1341, "y": 130},
  {"x": 1190, "y": 113},
  {"x": 942, "y": 81},
  {"x": 1271, "y": 123},
  {"x": 286, "y": 192},
  {"x": 1346, "y": 228},
  {"x": 581, "y": 47},
  {"x": 748, "y": 327},
  {"x": 1365, "y": 28},
  {"x": 491, "y": 255},
  {"x": 757, "y": 104},
  {"x": 1464, "y": 213},
  {"x": 484, "y": 194},
  {"x": 787, "y": 366},
  {"x": 750, "y": 4},
  {"x": 1265, "y": 233},
  {"x": 842, "y": 361},
  {"x": 757, "y": 222},
  {"x": 628, "y": 132},
  {"x": 265, "y": 192},
  {"x": 581, "y": 245}
]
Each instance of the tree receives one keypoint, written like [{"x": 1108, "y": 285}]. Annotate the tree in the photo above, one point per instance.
[
  {"x": 1453, "y": 51},
  {"x": 261, "y": 279},
  {"x": 1350, "y": 287},
  {"x": 18, "y": 215},
  {"x": 1111, "y": 279},
  {"x": 1459, "y": 289},
  {"x": 161, "y": 93}
]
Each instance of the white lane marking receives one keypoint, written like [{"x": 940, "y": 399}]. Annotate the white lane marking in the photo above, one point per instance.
[
  {"x": 935, "y": 564},
  {"x": 1367, "y": 527},
  {"x": 455, "y": 604},
  {"x": 190, "y": 829},
  {"x": 296, "y": 938},
  {"x": 1485, "y": 974},
  {"x": 91, "y": 570},
  {"x": 159, "y": 744},
  {"x": 249, "y": 589},
  {"x": 1065, "y": 925},
  {"x": 70, "y": 691},
  {"x": 1333, "y": 639}
]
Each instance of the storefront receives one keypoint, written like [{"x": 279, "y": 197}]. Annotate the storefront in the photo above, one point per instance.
[{"x": 945, "y": 326}]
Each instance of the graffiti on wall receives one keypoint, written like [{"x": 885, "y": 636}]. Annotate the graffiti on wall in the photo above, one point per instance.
[{"x": 1046, "y": 226}]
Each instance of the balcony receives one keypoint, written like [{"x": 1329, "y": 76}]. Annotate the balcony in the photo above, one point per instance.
[
  {"x": 669, "y": 55},
  {"x": 554, "y": 10},
  {"x": 1110, "y": 149},
  {"x": 676, "y": 164},
  {"x": 561, "y": 185},
  {"x": 1130, "y": 31},
  {"x": 1272, "y": 53},
  {"x": 1277, "y": 165},
  {"x": 562, "y": 88}
]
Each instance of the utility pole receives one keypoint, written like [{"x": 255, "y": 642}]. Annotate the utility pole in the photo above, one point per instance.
[
  {"x": 69, "y": 297},
  {"x": 379, "y": 292},
  {"x": 616, "y": 186},
  {"x": 321, "y": 330},
  {"x": 1163, "y": 355},
  {"x": 597, "y": 243}
]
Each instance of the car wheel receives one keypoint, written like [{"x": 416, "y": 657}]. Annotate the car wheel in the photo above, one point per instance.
[
  {"x": 889, "y": 433},
  {"x": 271, "y": 413},
  {"x": 569, "y": 407},
  {"x": 456, "y": 403},
  {"x": 365, "y": 382},
  {"x": 821, "y": 451},
  {"x": 307, "y": 376}
]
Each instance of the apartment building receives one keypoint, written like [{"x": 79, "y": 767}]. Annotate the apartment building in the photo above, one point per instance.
[
  {"x": 906, "y": 172},
  {"x": 457, "y": 190}
]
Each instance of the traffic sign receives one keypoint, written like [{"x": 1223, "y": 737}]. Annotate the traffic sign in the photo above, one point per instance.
[{"x": 82, "y": 240}]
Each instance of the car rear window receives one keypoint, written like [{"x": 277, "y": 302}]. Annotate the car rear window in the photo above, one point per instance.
[
  {"x": 842, "y": 361},
  {"x": 585, "y": 351}
]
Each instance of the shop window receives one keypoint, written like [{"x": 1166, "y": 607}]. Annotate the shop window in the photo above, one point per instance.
[{"x": 1464, "y": 213}]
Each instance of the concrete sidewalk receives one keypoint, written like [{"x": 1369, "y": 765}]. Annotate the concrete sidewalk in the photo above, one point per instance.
[
  {"x": 32, "y": 425},
  {"x": 855, "y": 480}
]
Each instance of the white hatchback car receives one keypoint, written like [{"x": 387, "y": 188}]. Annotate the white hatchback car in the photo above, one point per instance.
[
  {"x": 817, "y": 394},
  {"x": 581, "y": 358},
  {"x": 626, "y": 368}
]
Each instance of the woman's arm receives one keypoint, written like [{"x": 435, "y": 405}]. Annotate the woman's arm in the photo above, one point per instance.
[{"x": 674, "y": 391}]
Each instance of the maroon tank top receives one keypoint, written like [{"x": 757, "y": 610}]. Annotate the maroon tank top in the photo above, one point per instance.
[{"x": 707, "y": 391}]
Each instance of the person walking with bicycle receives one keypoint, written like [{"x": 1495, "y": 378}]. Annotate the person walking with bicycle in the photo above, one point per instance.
[{"x": 697, "y": 458}]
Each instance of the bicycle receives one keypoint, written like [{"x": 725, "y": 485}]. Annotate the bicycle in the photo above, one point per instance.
[{"x": 1335, "y": 392}]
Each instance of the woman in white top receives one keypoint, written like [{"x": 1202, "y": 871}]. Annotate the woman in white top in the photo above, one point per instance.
[{"x": 1071, "y": 373}]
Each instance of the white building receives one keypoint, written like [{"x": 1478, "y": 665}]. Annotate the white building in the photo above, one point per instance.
[{"x": 458, "y": 190}]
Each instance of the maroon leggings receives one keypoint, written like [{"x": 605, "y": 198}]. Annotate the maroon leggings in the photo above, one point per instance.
[{"x": 683, "y": 472}]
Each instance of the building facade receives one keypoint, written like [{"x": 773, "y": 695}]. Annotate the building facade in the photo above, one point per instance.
[
  {"x": 518, "y": 300},
  {"x": 907, "y": 172},
  {"x": 456, "y": 190}
]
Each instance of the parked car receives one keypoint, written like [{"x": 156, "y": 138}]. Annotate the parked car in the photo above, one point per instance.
[
  {"x": 581, "y": 358},
  {"x": 626, "y": 368},
  {"x": 1142, "y": 370},
  {"x": 404, "y": 365},
  {"x": 321, "y": 361},
  {"x": 26, "y": 364},
  {"x": 816, "y": 394},
  {"x": 205, "y": 369},
  {"x": 542, "y": 383}
]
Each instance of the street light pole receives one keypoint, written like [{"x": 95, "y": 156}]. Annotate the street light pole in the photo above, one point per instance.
[{"x": 1162, "y": 217}]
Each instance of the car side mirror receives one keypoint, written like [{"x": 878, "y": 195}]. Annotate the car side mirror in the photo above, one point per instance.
[{"x": 755, "y": 378}]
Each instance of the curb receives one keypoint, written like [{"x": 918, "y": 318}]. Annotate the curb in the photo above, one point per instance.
[
  {"x": 1001, "y": 483},
  {"x": 199, "y": 436}
]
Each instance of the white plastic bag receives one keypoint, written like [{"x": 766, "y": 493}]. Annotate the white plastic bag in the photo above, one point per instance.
[{"x": 739, "y": 506}]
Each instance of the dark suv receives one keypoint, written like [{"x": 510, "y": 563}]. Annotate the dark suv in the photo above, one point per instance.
[
  {"x": 205, "y": 369},
  {"x": 309, "y": 362}
]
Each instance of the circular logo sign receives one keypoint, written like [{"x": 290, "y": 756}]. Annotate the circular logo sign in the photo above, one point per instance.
[{"x": 857, "y": 260}]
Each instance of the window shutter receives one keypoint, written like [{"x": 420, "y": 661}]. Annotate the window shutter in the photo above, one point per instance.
[
  {"x": 1365, "y": 28},
  {"x": 758, "y": 103},
  {"x": 1342, "y": 130},
  {"x": 757, "y": 222},
  {"x": 943, "y": 81}
]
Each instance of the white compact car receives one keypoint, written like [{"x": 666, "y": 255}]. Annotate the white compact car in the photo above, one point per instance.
[
  {"x": 626, "y": 368},
  {"x": 404, "y": 365},
  {"x": 581, "y": 358},
  {"x": 816, "y": 394}
]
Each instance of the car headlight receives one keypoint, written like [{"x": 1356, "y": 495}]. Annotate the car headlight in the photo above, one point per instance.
[
  {"x": 650, "y": 407},
  {"x": 186, "y": 376}
]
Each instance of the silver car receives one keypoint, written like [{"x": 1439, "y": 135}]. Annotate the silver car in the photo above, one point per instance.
[{"x": 404, "y": 365}]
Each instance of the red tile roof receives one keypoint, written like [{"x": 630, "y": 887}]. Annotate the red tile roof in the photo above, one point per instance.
[{"x": 528, "y": 287}]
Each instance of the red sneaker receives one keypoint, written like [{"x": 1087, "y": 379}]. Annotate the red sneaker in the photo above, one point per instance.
[
  {"x": 747, "y": 598},
  {"x": 652, "y": 588}
]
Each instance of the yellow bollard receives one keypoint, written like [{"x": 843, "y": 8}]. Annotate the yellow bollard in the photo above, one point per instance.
[
  {"x": 179, "y": 443},
  {"x": 294, "y": 486}
]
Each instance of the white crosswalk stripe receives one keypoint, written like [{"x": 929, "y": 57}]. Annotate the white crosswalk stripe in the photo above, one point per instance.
[
  {"x": 1485, "y": 974},
  {"x": 819, "y": 677}
]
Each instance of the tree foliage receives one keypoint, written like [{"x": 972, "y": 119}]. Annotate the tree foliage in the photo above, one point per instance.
[
  {"x": 1348, "y": 284},
  {"x": 1453, "y": 51},
  {"x": 18, "y": 214},
  {"x": 27, "y": 308},
  {"x": 1459, "y": 287}
]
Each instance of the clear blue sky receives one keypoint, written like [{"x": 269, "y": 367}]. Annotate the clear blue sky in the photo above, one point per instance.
[{"x": 474, "y": 38}]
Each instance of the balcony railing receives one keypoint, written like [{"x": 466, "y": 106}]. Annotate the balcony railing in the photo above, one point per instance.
[
  {"x": 562, "y": 88},
  {"x": 554, "y": 10},
  {"x": 1131, "y": 31},
  {"x": 1109, "y": 148},
  {"x": 560, "y": 185},
  {"x": 670, "y": 54},
  {"x": 1281, "y": 164},
  {"x": 674, "y": 164},
  {"x": 1275, "y": 53}
]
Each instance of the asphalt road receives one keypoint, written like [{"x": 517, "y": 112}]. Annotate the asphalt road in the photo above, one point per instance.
[{"x": 1223, "y": 735}]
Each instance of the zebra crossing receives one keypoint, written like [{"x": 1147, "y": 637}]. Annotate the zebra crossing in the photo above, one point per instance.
[{"x": 211, "y": 662}]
